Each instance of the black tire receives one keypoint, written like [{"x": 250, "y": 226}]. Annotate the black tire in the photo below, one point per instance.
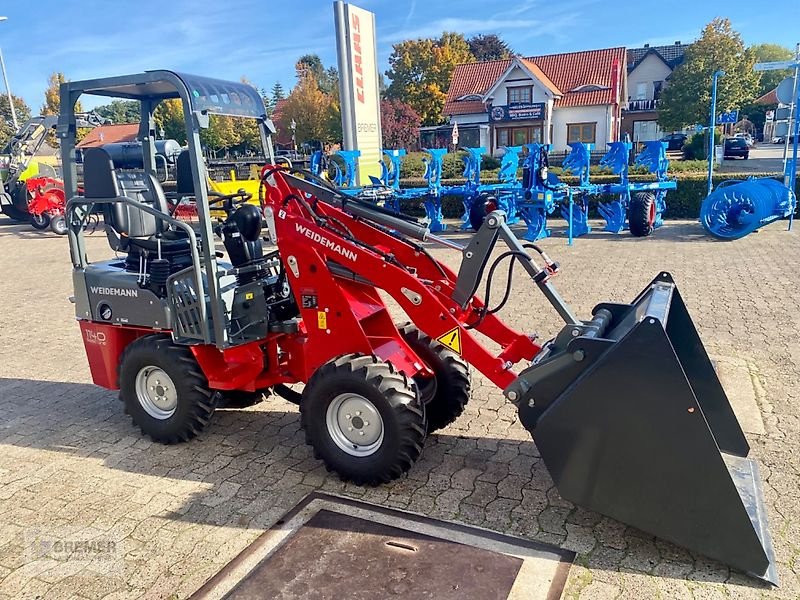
[
  {"x": 389, "y": 393},
  {"x": 481, "y": 206},
  {"x": 642, "y": 214},
  {"x": 447, "y": 393},
  {"x": 58, "y": 225},
  {"x": 13, "y": 212},
  {"x": 239, "y": 399},
  {"x": 195, "y": 403},
  {"x": 40, "y": 222}
]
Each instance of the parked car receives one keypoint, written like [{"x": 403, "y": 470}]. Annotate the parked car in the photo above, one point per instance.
[
  {"x": 675, "y": 141},
  {"x": 737, "y": 146},
  {"x": 779, "y": 139}
]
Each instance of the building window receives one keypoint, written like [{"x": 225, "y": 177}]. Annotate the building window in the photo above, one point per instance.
[
  {"x": 657, "y": 87},
  {"x": 518, "y": 136},
  {"x": 520, "y": 94},
  {"x": 581, "y": 132},
  {"x": 641, "y": 91},
  {"x": 646, "y": 131}
]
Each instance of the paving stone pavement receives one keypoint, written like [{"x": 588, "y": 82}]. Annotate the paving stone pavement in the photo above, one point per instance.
[{"x": 91, "y": 509}]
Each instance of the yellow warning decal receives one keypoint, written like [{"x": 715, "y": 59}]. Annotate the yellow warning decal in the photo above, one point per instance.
[
  {"x": 451, "y": 339},
  {"x": 249, "y": 295},
  {"x": 322, "y": 319}
]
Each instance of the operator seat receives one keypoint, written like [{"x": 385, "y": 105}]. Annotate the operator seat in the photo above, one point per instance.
[{"x": 128, "y": 228}]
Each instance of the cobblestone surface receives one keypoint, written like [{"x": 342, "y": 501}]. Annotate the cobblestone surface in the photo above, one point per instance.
[{"x": 91, "y": 509}]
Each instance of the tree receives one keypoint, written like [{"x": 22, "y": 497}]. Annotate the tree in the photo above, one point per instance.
[
  {"x": 7, "y": 129},
  {"x": 772, "y": 53},
  {"x": 488, "y": 47},
  {"x": 169, "y": 117},
  {"x": 313, "y": 111},
  {"x": 52, "y": 103},
  {"x": 421, "y": 71},
  {"x": 277, "y": 92},
  {"x": 52, "y": 98},
  {"x": 221, "y": 134},
  {"x": 399, "y": 124},
  {"x": 120, "y": 111},
  {"x": 687, "y": 99}
]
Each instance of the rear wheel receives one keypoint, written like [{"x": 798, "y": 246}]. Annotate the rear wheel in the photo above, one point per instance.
[
  {"x": 164, "y": 391},
  {"x": 446, "y": 393},
  {"x": 363, "y": 419},
  {"x": 642, "y": 214},
  {"x": 40, "y": 222},
  {"x": 58, "y": 225}
]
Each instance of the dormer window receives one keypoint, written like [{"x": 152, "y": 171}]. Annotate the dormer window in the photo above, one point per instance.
[
  {"x": 470, "y": 97},
  {"x": 520, "y": 95},
  {"x": 590, "y": 87}
]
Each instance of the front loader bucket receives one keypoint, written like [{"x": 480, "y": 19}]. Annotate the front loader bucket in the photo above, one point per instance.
[{"x": 632, "y": 422}]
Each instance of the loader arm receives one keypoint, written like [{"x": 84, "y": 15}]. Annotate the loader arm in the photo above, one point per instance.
[{"x": 313, "y": 235}]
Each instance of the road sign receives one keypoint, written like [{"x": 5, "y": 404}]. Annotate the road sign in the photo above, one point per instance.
[
  {"x": 775, "y": 66},
  {"x": 698, "y": 128},
  {"x": 454, "y": 136},
  {"x": 782, "y": 114},
  {"x": 785, "y": 90},
  {"x": 728, "y": 117}
]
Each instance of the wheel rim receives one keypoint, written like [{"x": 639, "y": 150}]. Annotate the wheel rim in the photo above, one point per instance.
[
  {"x": 40, "y": 220},
  {"x": 651, "y": 217},
  {"x": 156, "y": 393},
  {"x": 354, "y": 424},
  {"x": 60, "y": 225}
]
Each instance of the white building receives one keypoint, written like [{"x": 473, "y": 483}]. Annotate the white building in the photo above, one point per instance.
[
  {"x": 649, "y": 69},
  {"x": 556, "y": 99}
]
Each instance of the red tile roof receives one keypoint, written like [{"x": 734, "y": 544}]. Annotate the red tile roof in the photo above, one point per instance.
[
  {"x": 566, "y": 72},
  {"x": 769, "y": 98},
  {"x": 108, "y": 134}
]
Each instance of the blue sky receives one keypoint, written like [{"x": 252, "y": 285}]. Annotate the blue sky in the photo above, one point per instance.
[{"x": 261, "y": 40}]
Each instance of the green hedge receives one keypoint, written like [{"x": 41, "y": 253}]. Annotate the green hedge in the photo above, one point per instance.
[{"x": 682, "y": 203}]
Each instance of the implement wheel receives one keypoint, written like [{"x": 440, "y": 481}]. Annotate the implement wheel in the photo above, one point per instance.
[
  {"x": 58, "y": 225},
  {"x": 642, "y": 214},
  {"x": 363, "y": 419},
  {"x": 40, "y": 222},
  {"x": 164, "y": 390},
  {"x": 445, "y": 394}
]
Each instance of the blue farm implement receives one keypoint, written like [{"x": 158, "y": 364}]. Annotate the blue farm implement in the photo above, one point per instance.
[
  {"x": 737, "y": 208},
  {"x": 637, "y": 206}
]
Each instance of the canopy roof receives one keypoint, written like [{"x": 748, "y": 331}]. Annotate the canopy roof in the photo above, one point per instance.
[{"x": 203, "y": 93}]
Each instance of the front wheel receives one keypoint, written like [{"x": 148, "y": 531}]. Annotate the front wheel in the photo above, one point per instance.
[
  {"x": 363, "y": 418},
  {"x": 446, "y": 393},
  {"x": 164, "y": 391},
  {"x": 40, "y": 222}
]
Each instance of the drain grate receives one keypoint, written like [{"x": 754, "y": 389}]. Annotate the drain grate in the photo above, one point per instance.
[{"x": 330, "y": 547}]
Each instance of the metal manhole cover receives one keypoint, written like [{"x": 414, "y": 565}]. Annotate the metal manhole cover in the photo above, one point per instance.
[{"x": 329, "y": 547}]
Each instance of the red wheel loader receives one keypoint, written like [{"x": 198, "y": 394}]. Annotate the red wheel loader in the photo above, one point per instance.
[{"x": 180, "y": 327}]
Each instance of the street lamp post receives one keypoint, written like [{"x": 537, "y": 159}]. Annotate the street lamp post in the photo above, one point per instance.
[
  {"x": 8, "y": 89},
  {"x": 711, "y": 126}
]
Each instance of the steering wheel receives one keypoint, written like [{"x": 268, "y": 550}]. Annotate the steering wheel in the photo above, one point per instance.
[{"x": 228, "y": 201}]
